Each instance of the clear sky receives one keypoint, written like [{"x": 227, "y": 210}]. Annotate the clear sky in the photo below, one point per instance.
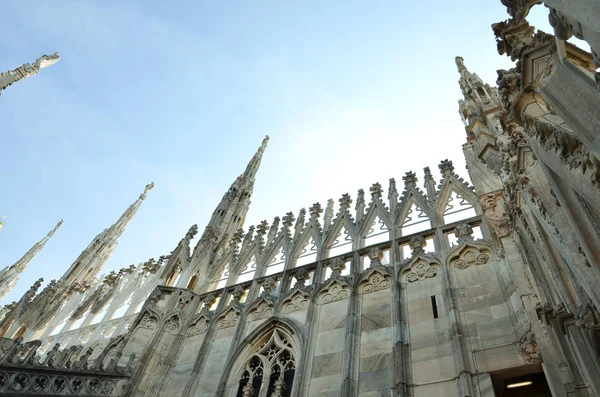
[{"x": 182, "y": 93}]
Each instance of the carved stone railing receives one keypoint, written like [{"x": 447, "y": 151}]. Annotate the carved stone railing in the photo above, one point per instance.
[{"x": 60, "y": 372}]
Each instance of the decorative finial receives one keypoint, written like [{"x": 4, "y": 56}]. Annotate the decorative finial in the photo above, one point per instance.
[
  {"x": 265, "y": 142},
  {"x": 446, "y": 168},
  {"x": 59, "y": 224},
  {"x": 410, "y": 179},
  {"x": 46, "y": 60},
  {"x": 148, "y": 188},
  {"x": 460, "y": 63}
]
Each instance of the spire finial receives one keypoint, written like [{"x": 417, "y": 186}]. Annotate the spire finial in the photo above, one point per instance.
[
  {"x": 254, "y": 163},
  {"x": 26, "y": 70},
  {"x": 460, "y": 63},
  {"x": 146, "y": 190},
  {"x": 2, "y": 221},
  {"x": 265, "y": 142}
]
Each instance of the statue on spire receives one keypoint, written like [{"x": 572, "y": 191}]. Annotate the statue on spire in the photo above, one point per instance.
[
  {"x": 146, "y": 190},
  {"x": 26, "y": 70}
]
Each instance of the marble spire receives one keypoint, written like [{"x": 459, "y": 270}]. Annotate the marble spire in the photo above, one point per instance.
[
  {"x": 93, "y": 258},
  {"x": 10, "y": 275},
  {"x": 26, "y": 70},
  {"x": 231, "y": 212}
]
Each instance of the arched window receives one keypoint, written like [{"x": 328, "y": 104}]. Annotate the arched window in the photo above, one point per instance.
[
  {"x": 193, "y": 282},
  {"x": 270, "y": 370}
]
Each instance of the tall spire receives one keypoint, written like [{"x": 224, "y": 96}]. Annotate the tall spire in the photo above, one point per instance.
[
  {"x": 479, "y": 99},
  {"x": 26, "y": 70},
  {"x": 10, "y": 275},
  {"x": 254, "y": 163},
  {"x": 93, "y": 258},
  {"x": 231, "y": 212},
  {"x": 2, "y": 221}
]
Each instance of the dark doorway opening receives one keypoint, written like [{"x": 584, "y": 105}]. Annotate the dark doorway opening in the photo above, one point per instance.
[{"x": 526, "y": 381}]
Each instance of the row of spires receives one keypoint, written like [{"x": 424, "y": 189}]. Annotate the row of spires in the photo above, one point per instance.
[
  {"x": 226, "y": 223},
  {"x": 227, "y": 217}
]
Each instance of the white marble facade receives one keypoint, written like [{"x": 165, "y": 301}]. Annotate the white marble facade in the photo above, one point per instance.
[{"x": 447, "y": 288}]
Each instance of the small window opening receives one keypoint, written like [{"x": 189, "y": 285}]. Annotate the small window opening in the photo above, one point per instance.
[{"x": 434, "y": 306}]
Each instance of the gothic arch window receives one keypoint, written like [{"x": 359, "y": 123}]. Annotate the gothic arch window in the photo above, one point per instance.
[
  {"x": 269, "y": 371},
  {"x": 277, "y": 264},
  {"x": 416, "y": 220},
  {"x": 458, "y": 208},
  {"x": 193, "y": 282},
  {"x": 248, "y": 272},
  {"x": 377, "y": 233},
  {"x": 221, "y": 280},
  {"x": 341, "y": 244},
  {"x": 308, "y": 253}
]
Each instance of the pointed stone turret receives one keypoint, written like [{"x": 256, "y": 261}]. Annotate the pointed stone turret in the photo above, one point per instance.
[
  {"x": 26, "y": 70},
  {"x": 10, "y": 275},
  {"x": 231, "y": 212},
  {"x": 480, "y": 111},
  {"x": 93, "y": 258},
  {"x": 479, "y": 99}
]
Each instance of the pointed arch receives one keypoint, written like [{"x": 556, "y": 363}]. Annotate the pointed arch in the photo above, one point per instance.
[
  {"x": 262, "y": 308},
  {"x": 375, "y": 279},
  {"x": 333, "y": 290},
  {"x": 306, "y": 247},
  {"x": 172, "y": 324},
  {"x": 377, "y": 209},
  {"x": 272, "y": 351},
  {"x": 198, "y": 326},
  {"x": 456, "y": 202},
  {"x": 340, "y": 237},
  {"x": 228, "y": 318},
  {"x": 376, "y": 225},
  {"x": 276, "y": 257},
  {"x": 147, "y": 319},
  {"x": 415, "y": 214},
  {"x": 420, "y": 267},
  {"x": 247, "y": 265},
  {"x": 469, "y": 253},
  {"x": 296, "y": 299}
]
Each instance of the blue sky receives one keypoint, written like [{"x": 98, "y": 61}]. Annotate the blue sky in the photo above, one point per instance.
[{"x": 182, "y": 93}]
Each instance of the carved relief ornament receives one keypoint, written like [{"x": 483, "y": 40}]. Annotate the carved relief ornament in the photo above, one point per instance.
[
  {"x": 199, "y": 327},
  {"x": 299, "y": 300},
  {"x": 470, "y": 255},
  {"x": 230, "y": 319},
  {"x": 262, "y": 311},
  {"x": 421, "y": 270},
  {"x": 337, "y": 289},
  {"x": 376, "y": 281}
]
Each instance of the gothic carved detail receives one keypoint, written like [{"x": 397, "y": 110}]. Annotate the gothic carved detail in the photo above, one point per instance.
[
  {"x": 421, "y": 270},
  {"x": 229, "y": 319},
  {"x": 337, "y": 289},
  {"x": 148, "y": 321},
  {"x": 586, "y": 316},
  {"x": 299, "y": 300},
  {"x": 527, "y": 348},
  {"x": 262, "y": 311},
  {"x": 468, "y": 255},
  {"x": 496, "y": 219},
  {"x": 199, "y": 327},
  {"x": 376, "y": 281},
  {"x": 172, "y": 324}
]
